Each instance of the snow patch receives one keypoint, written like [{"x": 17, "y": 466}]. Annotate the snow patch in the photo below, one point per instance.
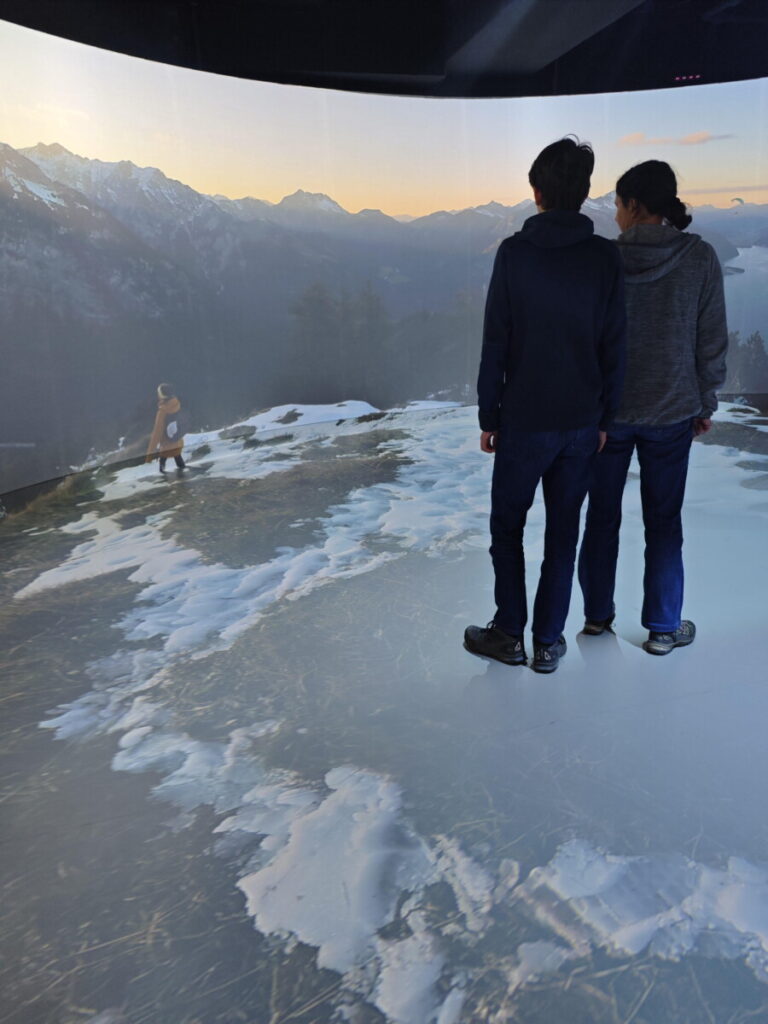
[
  {"x": 187, "y": 600},
  {"x": 47, "y": 195},
  {"x": 668, "y": 905},
  {"x": 410, "y": 970},
  {"x": 337, "y": 880},
  {"x": 537, "y": 959},
  {"x": 472, "y": 884},
  {"x": 295, "y": 415},
  {"x": 341, "y": 850}
]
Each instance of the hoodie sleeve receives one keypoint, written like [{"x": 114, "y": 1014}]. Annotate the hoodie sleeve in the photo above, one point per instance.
[
  {"x": 497, "y": 332},
  {"x": 612, "y": 347},
  {"x": 711, "y": 336}
]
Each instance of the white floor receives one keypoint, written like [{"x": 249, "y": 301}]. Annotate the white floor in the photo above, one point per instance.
[{"x": 615, "y": 809}]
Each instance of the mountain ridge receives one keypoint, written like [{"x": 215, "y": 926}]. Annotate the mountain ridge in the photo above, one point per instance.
[
  {"x": 302, "y": 199},
  {"x": 114, "y": 277}
]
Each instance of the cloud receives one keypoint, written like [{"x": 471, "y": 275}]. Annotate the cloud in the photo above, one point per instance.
[
  {"x": 636, "y": 139},
  {"x": 697, "y": 138},
  {"x": 694, "y": 139}
]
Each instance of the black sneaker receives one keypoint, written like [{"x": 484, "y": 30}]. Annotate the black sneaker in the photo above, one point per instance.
[
  {"x": 663, "y": 643},
  {"x": 594, "y": 627},
  {"x": 546, "y": 657},
  {"x": 492, "y": 642}
]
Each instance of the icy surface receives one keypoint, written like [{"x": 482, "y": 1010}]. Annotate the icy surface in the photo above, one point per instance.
[
  {"x": 335, "y": 860},
  {"x": 337, "y": 880},
  {"x": 537, "y": 959},
  {"x": 438, "y": 500},
  {"x": 667, "y": 904}
]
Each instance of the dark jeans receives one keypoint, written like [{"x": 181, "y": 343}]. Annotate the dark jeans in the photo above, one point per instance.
[
  {"x": 176, "y": 458},
  {"x": 663, "y": 456},
  {"x": 562, "y": 461}
]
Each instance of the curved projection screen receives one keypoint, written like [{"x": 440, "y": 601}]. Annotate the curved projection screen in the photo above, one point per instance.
[{"x": 259, "y": 245}]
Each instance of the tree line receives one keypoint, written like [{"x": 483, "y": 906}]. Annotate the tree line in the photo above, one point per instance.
[
  {"x": 347, "y": 345},
  {"x": 747, "y": 363}
]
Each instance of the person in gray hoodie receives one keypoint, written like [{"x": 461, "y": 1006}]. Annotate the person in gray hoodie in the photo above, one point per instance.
[{"x": 676, "y": 345}]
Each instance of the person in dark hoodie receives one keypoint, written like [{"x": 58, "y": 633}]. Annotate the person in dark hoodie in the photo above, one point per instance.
[
  {"x": 676, "y": 345},
  {"x": 549, "y": 385}
]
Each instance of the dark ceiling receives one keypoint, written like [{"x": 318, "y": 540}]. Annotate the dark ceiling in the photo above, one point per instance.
[{"x": 429, "y": 47}]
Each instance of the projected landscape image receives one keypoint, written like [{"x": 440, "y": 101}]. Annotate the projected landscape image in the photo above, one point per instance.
[
  {"x": 117, "y": 277},
  {"x": 248, "y": 772},
  {"x": 258, "y": 245}
]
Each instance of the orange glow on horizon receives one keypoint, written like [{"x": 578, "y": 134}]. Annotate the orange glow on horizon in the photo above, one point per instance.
[{"x": 403, "y": 155}]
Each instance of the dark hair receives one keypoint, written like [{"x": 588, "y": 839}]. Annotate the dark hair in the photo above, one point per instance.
[
  {"x": 654, "y": 184},
  {"x": 562, "y": 172},
  {"x": 166, "y": 390}
]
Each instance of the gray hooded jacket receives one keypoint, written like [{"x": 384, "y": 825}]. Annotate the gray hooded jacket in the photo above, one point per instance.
[{"x": 676, "y": 329}]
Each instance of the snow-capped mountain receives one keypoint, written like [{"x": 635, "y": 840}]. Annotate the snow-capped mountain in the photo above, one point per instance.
[
  {"x": 246, "y": 208},
  {"x": 313, "y": 213},
  {"x": 309, "y": 203},
  {"x": 190, "y": 228},
  {"x": 22, "y": 179},
  {"x": 170, "y": 214},
  {"x": 114, "y": 276},
  {"x": 43, "y": 256}
]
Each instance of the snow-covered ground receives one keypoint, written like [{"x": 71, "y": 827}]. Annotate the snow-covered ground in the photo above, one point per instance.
[{"x": 336, "y": 860}]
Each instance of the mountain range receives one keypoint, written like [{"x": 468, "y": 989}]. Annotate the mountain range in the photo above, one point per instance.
[{"x": 114, "y": 277}]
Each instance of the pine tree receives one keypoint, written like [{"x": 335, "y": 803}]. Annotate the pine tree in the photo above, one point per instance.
[
  {"x": 372, "y": 331},
  {"x": 316, "y": 346}
]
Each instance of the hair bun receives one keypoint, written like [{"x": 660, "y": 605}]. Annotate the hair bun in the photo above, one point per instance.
[{"x": 677, "y": 214}]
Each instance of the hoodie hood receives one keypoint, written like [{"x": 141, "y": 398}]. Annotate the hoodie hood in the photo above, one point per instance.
[
  {"x": 556, "y": 228},
  {"x": 651, "y": 251}
]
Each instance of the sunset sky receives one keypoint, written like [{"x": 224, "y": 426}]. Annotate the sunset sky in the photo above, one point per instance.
[{"x": 400, "y": 155}]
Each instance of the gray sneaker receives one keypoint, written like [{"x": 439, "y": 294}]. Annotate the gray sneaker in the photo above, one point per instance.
[{"x": 663, "y": 643}]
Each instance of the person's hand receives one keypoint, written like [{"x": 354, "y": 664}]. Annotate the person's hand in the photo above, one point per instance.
[
  {"x": 701, "y": 425},
  {"x": 148, "y": 458},
  {"x": 603, "y": 437},
  {"x": 488, "y": 441}
]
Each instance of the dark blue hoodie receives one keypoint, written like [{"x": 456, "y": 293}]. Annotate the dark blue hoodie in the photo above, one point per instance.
[{"x": 554, "y": 335}]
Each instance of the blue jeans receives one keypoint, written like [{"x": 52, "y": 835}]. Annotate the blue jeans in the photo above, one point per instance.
[
  {"x": 663, "y": 456},
  {"x": 562, "y": 460}
]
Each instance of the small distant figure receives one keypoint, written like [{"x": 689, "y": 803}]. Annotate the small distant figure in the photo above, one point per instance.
[{"x": 167, "y": 438}]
